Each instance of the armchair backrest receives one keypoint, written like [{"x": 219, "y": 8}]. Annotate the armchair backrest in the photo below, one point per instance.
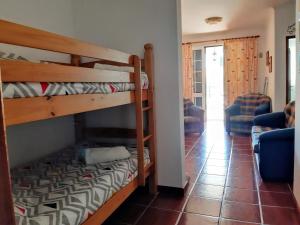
[
  {"x": 289, "y": 112},
  {"x": 248, "y": 103}
]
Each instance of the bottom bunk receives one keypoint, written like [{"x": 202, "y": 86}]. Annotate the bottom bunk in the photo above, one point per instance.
[{"x": 62, "y": 189}]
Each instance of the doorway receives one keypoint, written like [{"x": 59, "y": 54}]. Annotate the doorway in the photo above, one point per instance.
[{"x": 214, "y": 76}]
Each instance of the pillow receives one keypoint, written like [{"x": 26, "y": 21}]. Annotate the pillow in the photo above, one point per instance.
[
  {"x": 11, "y": 56},
  {"x": 104, "y": 154},
  {"x": 114, "y": 68}
]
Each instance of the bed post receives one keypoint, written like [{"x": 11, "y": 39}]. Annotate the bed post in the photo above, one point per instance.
[
  {"x": 149, "y": 69},
  {"x": 7, "y": 215},
  {"x": 136, "y": 62},
  {"x": 79, "y": 119}
]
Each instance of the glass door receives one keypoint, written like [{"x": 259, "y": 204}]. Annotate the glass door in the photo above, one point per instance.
[{"x": 198, "y": 78}]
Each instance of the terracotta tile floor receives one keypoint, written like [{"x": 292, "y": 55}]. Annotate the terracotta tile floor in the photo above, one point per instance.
[{"x": 225, "y": 189}]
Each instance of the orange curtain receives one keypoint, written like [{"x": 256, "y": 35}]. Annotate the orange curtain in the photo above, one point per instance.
[
  {"x": 240, "y": 68},
  {"x": 187, "y": 66}
]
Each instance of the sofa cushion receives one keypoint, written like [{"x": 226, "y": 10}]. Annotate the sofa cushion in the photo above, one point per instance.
[
  {"x": 255, "y": 133},
  {"x": 242, "y": 118}
]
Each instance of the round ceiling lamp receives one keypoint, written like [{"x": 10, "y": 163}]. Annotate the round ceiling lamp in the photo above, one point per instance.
[{"x": 213, "y": 20}]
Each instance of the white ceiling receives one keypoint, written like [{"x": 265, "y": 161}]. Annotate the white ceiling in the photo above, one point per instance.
[{"x": 236, "y": 14}]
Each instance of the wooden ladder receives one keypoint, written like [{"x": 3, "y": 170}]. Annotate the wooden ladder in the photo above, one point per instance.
[{"x": 140, "y": 109}]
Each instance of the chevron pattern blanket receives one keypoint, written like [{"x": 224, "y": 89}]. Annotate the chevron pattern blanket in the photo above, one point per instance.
[{"x": 62, "y": 190}]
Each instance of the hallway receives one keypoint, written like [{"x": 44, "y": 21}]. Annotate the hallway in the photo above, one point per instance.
[{"x": 224, "y": 189}]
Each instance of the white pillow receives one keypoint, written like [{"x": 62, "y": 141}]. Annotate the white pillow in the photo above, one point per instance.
[
  {"x": 114, "y": 68},
  {"x": 14, "y": 56},
  {"x": 104, "y": 154}
]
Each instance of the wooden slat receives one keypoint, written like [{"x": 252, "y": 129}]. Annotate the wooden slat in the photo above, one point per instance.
[
  {"x": 139, "y": 119},
  {"x": 16, "y": 34},
  {"x": 106, "y": 62},
  {"x": 116, "y": 200},
  {"x": 24, "y": 110},
  {"x": 147, "y": 108},
  {"x": 147, "y": 138},
  {"x": 149, "y": 69},
  {"x": 19, "y": 71},
  {"x": 7, "y": 215}
]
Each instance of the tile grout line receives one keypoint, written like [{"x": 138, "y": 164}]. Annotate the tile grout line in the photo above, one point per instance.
[
  {"x": 226, "y": 177},
  {"x": 144, "y": 211},
  {"x": 179, "y": 216},
  {"x": 198, "y": 140},
  {"x": 257, "y": 187},
  {"x": 192, "y": 188}
]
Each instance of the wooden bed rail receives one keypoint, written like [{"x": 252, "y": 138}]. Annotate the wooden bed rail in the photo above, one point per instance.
[
  {"x": 16, "y": 34},
  {"x": 7, "y": 215},
  {"x": 19, "y": 71}
]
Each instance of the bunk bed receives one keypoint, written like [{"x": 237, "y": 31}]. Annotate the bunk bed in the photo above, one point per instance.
[{"x": 22, "y": 109}]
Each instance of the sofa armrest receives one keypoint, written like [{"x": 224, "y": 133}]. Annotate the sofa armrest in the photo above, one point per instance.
[
  {"x": 234, "y": 109},
  {"x": 262, "y": 109},
  {"x": 287, "y": 134},
  {"x": 276, "y": 155},
  {"x": 274, "y": 120}
]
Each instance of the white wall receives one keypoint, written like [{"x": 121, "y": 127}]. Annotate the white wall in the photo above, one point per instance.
[
  {"x": 296, "y": 188},
  {"x": 238, "y": 33},
  {"x": 128, "y": 25},
  {"x": 269, "y": 43},
  {"x": 284, "y": 17},
  {"x": 30, "y": 141}
]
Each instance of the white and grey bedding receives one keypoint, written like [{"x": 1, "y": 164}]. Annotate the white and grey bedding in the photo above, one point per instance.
[
  {"x": 62, "y": 190},
  {"x": 36, "y": 89}
]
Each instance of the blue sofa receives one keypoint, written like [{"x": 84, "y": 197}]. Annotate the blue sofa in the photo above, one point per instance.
[
  {"x": 273, "y": 137},
  {"x": 240, "y": 115}
]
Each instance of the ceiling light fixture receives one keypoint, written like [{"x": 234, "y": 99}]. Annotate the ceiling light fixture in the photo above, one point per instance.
[{"x": 213, "y": 20}]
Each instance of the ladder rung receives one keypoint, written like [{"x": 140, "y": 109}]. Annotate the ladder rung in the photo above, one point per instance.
[
  {"x": 147, "y": 108},
  {"x": 147, "y": 137}
]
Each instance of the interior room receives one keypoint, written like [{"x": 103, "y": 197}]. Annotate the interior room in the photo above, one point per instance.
[{"x": 153, "y": 112}]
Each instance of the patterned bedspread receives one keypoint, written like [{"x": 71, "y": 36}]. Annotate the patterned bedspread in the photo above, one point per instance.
[
  {"x": 35, "y": 89},
  {"x": 61, "y": 190}
]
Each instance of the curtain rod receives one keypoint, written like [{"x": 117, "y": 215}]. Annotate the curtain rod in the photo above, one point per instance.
[{"x": 216, "y": 40}]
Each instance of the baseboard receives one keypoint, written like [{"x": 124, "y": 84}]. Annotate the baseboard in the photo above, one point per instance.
[{"x": 175, "y": 190}]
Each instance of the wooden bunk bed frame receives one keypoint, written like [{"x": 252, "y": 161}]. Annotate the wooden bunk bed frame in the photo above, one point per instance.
[{"x": 22, "y": 110}]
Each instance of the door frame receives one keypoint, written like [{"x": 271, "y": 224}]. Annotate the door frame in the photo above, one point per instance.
[
  {"x": 287, "y": 63},
  {"x": 203, "y": 46},
  {"x": 203, "y": 94}
]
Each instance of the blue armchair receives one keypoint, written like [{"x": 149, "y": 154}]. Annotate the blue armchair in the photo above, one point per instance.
[
  {"x": 193, "y": 117},
  {"x": 240, "y": 115},
  {"x": 273, "y": 137}
]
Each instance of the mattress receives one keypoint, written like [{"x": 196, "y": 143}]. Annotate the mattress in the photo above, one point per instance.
[
  {"x": 35, "y": 89},
  {"x": 61, "y": 190}
]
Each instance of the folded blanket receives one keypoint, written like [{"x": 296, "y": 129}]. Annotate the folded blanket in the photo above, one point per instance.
[{"x": 104, "y": 154}]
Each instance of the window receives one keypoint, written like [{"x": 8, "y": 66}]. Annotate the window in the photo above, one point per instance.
[{"x": 197, "y": 78}]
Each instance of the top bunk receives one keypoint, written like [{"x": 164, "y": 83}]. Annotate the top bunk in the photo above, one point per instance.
[{"x": 109, "y": 77}]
